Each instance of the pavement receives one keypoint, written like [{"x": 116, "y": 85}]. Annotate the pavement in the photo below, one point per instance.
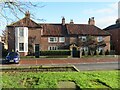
[{"x": 52, "y": 61}]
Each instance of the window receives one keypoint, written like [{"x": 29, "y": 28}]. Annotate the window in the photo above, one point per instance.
[
  {"x": 83, "y": 38},
  {"x": 52, "y": 39},
  {"x": 61, "y": 39},
  {"x": 52, "y": 48},
  {"x": 99, "y": 38},
  {"x": 85, "y": 48},
  {"x": 21, "y": 46},
  {"x": 21, "y": 31}
]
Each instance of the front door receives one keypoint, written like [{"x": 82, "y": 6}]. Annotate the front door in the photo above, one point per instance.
[{"x": 75, "y": 52}]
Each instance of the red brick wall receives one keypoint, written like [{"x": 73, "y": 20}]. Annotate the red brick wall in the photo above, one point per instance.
[
  {"x": 115, "y": 39},
  {"x": 11, "y": 38},
  {"x": 107, "y": 41},
  {"x": 44, "y": 44},
  {"x": 35, "y": 34}
]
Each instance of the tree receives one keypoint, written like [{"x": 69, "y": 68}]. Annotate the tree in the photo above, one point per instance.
[
  {"x": 16, "y": 7},
  {"x": 91, "y": 43}
]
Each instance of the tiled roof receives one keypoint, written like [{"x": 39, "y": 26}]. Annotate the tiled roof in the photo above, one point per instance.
[
  {"x": 61, "y": 30},
  {"x": 84, "y": 29},
  {"x": 71, "y": 29},
  {"x": 115, "y": 26},
  {"x": 53, "y": 30},
  {"x": 26, "y": 22}
]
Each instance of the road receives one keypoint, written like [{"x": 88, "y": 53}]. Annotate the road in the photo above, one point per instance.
[{"x": 98, "y": 66}]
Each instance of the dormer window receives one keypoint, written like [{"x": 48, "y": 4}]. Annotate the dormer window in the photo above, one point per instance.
[
  {"x": 99, "y": 38},
  {"x": 83, "y": 38}
]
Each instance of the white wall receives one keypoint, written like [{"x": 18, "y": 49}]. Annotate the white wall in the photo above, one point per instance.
[{"x": 23, "y": 39}]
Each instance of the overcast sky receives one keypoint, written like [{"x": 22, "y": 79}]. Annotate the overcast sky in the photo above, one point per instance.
[{"x": 105, "y": 13}]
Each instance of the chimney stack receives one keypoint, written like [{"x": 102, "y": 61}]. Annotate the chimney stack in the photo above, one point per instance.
[
  {"x": 63, "y": 21},
  {"x": 27, "y": 14},
  {"x": 118, "y": 21},
  {"x": 91, "y": 21},
  {"x": 71, "y": 21}
]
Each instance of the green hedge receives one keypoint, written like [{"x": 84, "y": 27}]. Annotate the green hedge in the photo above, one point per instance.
[{"x": 55, "y": 52}]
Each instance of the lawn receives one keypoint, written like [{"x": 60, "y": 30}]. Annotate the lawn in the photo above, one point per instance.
[{"x": 83, "y": 79}]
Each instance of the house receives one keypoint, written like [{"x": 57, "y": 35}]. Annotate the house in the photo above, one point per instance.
[
  {"x": 27, "y": 36},
  {"x": 114, "y": 30}
]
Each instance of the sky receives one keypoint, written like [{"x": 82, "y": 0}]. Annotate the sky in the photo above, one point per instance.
[{"x": 105, "y": 13}]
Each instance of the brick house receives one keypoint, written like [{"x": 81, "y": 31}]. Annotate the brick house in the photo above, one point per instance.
[
  {"x": 25, "y": 35},
  {"x": 114, "y": 30}
]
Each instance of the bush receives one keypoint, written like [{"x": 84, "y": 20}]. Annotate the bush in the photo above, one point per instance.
[{"x": 55, "y": 52}]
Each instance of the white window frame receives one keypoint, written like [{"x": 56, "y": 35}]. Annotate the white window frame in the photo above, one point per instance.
[
  {"x": 61, "y": 39},
  {"x": 54, "y": 41},
  {"x": 21, "y": 29},
  {"x": 53, "y": 48},
  {"x": 99, "y": 38},
  {"x": 83, "y": 38},
  {"x": 23, "y": 47}
]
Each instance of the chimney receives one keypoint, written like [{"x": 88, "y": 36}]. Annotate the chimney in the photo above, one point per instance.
[
  {"x": 71, "y": 21},
  {"x": 118, "y": 21},
  {"x": 63, "y": 21},
  {"x": 27, "y": 14},
  {"x": 91, "y": 21}
]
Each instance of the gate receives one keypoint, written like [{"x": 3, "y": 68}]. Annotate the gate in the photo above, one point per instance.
[{"x": 75, "y": 52}]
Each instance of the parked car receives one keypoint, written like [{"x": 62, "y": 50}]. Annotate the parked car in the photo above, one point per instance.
[{"x": 13, "y": 57}]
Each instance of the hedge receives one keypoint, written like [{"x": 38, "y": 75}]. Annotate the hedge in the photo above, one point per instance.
[{"x": 55, "y": 52}]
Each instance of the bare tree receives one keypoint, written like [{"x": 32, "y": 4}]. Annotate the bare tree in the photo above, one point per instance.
[
  {"x": 91, "y": 43},
  {"x": 15, "y": 8}
]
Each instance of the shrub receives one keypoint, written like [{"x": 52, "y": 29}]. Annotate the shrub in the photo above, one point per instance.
[{"x": 55, "y": 52}]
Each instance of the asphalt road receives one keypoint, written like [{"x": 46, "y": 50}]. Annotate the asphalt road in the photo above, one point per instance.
[{"x": 98, "y": 66}]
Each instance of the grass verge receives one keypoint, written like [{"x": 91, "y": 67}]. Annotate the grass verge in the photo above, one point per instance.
[{"x": 83, "y": 79}]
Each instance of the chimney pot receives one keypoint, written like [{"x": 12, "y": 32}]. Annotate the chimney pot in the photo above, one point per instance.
[
  {"x": 27, "y": 14},
  {"x": 71, "y": 21},
  {"x": 91, "y": 21},
  {"x": 118, "y": 21},
  {"x": 63, "y": 21}
]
